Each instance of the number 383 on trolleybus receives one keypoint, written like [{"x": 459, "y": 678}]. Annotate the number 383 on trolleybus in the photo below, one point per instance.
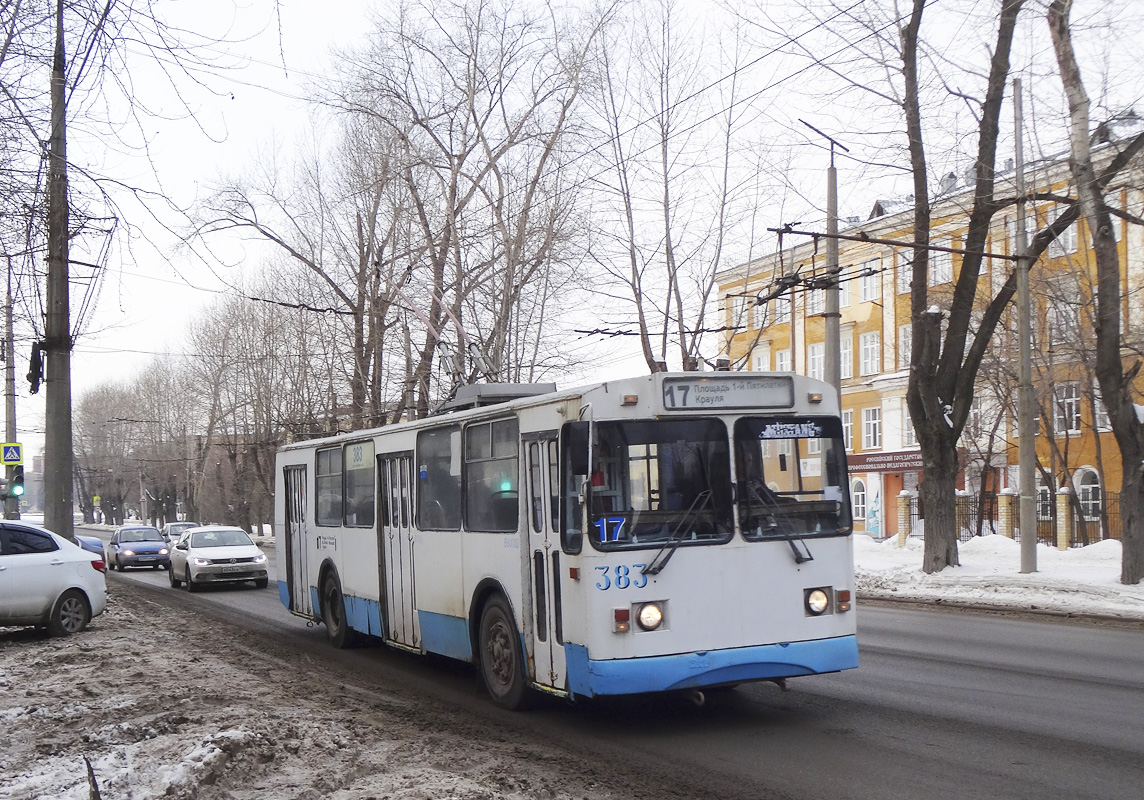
[{"x": 671, "y": 532}]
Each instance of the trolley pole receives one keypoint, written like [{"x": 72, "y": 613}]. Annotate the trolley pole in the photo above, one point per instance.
[{"x": 1026, "y": 431}]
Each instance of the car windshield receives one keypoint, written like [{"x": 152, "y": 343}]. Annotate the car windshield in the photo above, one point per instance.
[
  {"x": 654, "y": 482},
  {"x": 140, "y": 535},
  {"x": 791, "y": 477},
  {"x": 228, "y": 538}
]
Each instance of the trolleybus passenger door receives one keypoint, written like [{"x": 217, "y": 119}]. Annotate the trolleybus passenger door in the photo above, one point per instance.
[
  {"x": 397, "y": 553},
  {"x": 297, "y": 558},
  {"x": 544, "y": 548}
]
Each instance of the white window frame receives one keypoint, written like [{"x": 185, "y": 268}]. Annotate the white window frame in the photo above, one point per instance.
[
  {"x": 1067, "y": 408},
  {"x": 783, "y": 308},
  {"x": 848, "y": 429},
  {"x": 843, "y": 292},
  {"x": 816, "y": 360},
  {"x": 1099, "y": 412},
  {"x": 909, "y": 437},
  {"x": 815, "y": 301},
  {"x": 1066, "y": 242},
  {"x": 872, "y": 428},
  {"x": 941, "y": 263},
  {"x": 846, "y": 355},
  {"x": 858, "y": 498},
  {"x": 870, "y": 286},
  {"x": 782, "y": 360},
  {"x": 905, "y": 273},
  {"x": 761, "y": 358},
  {"x": 870, "y": 353},
  {"x": 905, "y": 343}
]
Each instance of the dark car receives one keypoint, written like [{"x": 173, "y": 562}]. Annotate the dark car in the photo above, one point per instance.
[
  {"x": 138, "y": 546},
  {"x": 92, "y": 544}
]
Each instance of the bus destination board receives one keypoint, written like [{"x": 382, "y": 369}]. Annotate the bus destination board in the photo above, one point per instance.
[{"x": 725, "y": 392}]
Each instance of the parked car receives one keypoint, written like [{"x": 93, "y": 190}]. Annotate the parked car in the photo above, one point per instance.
[
  {"x": 93, "y": 544},
  {"x": 47, "y": 581},
  {"x": 173, "y": 530},
  {"x": 138, "y": 546},
  {"x": 216, "y": 554}
]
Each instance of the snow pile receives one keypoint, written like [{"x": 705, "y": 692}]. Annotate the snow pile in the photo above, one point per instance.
[{"x": 1081, "y": 580}]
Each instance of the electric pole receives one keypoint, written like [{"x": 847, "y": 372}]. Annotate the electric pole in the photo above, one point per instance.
[
  {"x": 1026, "y": 431},
  {"x": 833, "y": 366},
  {"x": 11, "y": 504},
  {"x": 58, "y": 487}
]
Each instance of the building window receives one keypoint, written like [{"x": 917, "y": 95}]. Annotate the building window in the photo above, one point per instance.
[
  {"x": 816, "y": 360},
  {"x": 1089, "y": 494},
  {"x": 870, "y": 285},
  {"x": 905, "y": 273},
  {"x": 871, "y": 353},
  {"x": 941, "y": 263},
  {"x": 871, "y": 428},
  {"x": 1044, "y": 502},
  {"x": 759, "y": 313},
  {"x": 762, "y": 358},
  {"x": 1099, "y": 412},
  {"x": 738, "y": 312},
  {"x": 905, "y": 340},
  {"x": 909, "y": 437},
  {"x": 1063, "y": 319},
  {"x": 815, "y": 301},
  {"x": 846, "y": 355},
  {"x": 843, "y": 292},
  {"x": 813, "y": 447},
  {"x": 782, "y": 361},
  {"x": 1065, "y": 242},
  {"x": 858, "y": 499},
  {"x": 1066, "y": 418},
  {"x": 782, "y": 308},
  {"x": 848, "y": 429}
]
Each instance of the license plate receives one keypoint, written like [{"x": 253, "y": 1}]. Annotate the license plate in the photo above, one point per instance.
[
  {"x": 147, "y": 558},
  {"x": 234, "y": 569}
]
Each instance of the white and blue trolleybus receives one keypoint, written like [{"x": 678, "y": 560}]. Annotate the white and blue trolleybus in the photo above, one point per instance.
[{"x": 671, "y": 532}]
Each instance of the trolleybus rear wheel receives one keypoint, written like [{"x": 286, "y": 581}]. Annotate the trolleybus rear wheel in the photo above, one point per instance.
[
  {"x": 334, "y": 612},
  {"x": 502, "y": 664}
]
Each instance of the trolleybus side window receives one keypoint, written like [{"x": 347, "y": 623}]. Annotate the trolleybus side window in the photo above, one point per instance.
[
  {"x": 787, "y": 488},
  {"x": 359, "y": 485},
  {"x": 574, "y": 475},
  {"x": 492, "y": 501},
  {"x": 328, "y": 480},
  {"x": 439, "y": 479}
]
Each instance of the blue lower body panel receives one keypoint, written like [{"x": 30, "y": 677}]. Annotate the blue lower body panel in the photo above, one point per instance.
[{"x": 695, "y": 670}]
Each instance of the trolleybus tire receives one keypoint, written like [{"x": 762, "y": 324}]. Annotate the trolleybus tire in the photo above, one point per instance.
[
  {"x": 501, "y": 659},
  {"x": 334, "y": 612}
]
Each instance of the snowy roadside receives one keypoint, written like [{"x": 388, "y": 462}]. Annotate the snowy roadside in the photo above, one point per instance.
[{"x": 1082, "y": 581}]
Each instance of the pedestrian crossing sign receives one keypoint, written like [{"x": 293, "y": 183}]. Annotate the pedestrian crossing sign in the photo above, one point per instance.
[{"x": 13, "y": 453}]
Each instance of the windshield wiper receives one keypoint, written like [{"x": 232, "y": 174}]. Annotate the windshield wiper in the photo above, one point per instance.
[
  {"x": 786, "y": 531},
  {"x": 665, "y": 553}
]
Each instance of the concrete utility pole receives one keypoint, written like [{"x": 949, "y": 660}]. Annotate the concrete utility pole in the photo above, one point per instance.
[
  {"x": 1026, "y": 431},
  {"x": 833, "y": 332},
  {"x": 11, "y": 504},
  {"x": 58, "y": 487}
]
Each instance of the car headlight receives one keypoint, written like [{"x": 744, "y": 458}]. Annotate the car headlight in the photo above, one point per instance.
[
  {"x": 260, "y": 558},
  {"x": 163, "y": 551},
  {"x": 817, "y": 602},
  {"x": 650, "y": 616},
  {"x": 128, "y": 552},
  {"x": 199, "y": 561}
]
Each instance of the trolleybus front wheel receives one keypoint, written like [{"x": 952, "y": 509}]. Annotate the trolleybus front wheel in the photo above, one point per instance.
[
  {"x": 334, "y": 612},
  {"x": 502, "y": 663}
]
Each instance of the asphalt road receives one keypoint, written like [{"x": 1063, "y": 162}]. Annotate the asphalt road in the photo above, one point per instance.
[{"x": 946, "y": 704}]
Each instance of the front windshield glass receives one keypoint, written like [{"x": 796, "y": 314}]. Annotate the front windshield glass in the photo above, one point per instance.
[
  {"x": 659, "y": 481},
  {"x": 141, "y": 535},
  {"x": 220, "y": 538},
  {"x": 791, "y": 477}
]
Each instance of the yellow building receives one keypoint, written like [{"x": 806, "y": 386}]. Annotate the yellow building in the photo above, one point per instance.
[{"x": 786, "y": 333}]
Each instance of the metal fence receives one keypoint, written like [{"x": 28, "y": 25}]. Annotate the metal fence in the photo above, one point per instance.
[{"x": 977, "y": 516}]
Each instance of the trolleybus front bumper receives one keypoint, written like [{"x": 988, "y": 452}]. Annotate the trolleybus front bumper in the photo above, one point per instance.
[{"x": 589, "y": 678}]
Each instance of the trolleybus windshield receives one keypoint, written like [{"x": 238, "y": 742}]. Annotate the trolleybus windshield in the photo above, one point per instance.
[
  {"x": 791, "y": 477},
  {"x": 658, "y": 481}
]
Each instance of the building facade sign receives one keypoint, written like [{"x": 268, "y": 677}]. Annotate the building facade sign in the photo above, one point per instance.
[{"x": 900, "y": 461}]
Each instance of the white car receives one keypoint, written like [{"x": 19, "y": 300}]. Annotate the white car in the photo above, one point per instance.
[
  {"x": 47, "y": 581},
  {"x": 216, "y": 554}
]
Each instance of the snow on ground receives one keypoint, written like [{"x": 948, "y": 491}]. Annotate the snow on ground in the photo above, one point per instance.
[{"x": 1078, "y": 581}]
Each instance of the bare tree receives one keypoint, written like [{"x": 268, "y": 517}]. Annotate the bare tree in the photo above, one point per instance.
[{"x": 1116, "y": 383}]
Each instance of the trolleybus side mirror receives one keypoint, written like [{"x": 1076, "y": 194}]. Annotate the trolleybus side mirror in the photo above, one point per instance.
[{"x": 576, "y": 444}]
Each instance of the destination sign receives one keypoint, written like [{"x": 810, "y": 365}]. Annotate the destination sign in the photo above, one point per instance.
[{"x": 727, "y": 392}]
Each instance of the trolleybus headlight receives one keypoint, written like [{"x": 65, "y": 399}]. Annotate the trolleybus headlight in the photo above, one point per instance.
[
  {"x": 817, "y": 601},
  {"x": 650, "y": 616}
]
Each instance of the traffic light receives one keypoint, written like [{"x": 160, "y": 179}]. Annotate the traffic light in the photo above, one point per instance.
[{"x": 16, "y": 485}]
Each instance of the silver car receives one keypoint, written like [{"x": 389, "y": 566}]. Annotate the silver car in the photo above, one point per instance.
[{"x": 216, "y": 554}]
